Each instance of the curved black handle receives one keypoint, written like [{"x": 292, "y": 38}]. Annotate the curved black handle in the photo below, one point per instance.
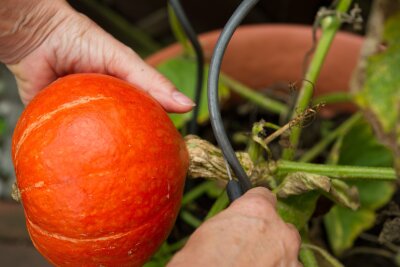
[
  {"x": 213, "y": 104},
  {"x": 191, "y": 34}
]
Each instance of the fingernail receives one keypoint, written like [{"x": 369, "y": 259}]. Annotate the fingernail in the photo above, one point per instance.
[{"x": 182, "y": 99}]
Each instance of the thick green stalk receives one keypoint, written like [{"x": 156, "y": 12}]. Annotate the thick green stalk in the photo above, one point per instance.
[
  {"x": 338, "y": 97},
  {"x": 330, "y": 25},
  {"x": 323, "y": 144},
  {"x": 253, "y": 96},
  {"x": 337, "y": 171}
]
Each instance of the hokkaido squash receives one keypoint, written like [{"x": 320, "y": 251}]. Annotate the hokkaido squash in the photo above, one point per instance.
[{"x": 100, "y": 169}]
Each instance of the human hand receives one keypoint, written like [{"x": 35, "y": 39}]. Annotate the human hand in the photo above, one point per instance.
[
  {"x": 248, "y": 233},
  {"x": 54, "y": 40}
]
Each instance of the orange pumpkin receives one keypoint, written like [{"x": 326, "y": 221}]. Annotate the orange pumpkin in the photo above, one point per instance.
[{"x": 100, "y": 168}]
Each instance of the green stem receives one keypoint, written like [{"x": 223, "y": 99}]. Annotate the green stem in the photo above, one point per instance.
[
  {"x": 220, "y": 204},
  {"x": 306, "y": 255},
  {"x": 255, "y": 151},
  {"x": 323, "y": 144},
  {"x": 177, "y": 245},
  {"x": 197, "y": 192},
  {"x": 190, "y": 219},
  {"x": 253, "y": 96},
  {"x": 334, "y": 98},
  {"x": 334, "y": 154},
  {"x": 329, "y": 258},
  {"x": 337, "y": 171},
  {"x": 330, "y": 25}
]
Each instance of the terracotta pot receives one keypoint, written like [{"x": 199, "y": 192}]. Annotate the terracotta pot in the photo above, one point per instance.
[{"x": 262, "y": 55}]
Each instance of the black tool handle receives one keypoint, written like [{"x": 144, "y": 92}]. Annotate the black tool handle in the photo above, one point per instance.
[{"x": 234, "y": 190}]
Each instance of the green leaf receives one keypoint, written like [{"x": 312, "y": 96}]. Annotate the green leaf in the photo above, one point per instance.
[
  {"x": 380, "y": 95},
  {"x": 297, "y": 210},
  {"x": 359, "y": 148},
  {"x": 181, "y": 71},
  {"x": 344, "y": 226},
  {"x": 374, "y": 194},
  {"x": 220, "y": 204}
]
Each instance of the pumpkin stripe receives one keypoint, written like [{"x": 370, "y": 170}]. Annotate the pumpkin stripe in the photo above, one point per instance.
[
  {"x": 42, "y": 119},
  {"x": 39, "y": 184},
  {"x": 75, "y": 240}
]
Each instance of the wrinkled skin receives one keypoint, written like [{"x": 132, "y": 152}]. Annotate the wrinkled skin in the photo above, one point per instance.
[
  {"x": 67, "y": 42},
  {"x": 248, "y": 233}
]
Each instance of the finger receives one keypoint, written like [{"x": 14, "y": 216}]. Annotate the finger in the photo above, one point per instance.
[
  {"x": 292, "y": 241},
  {"x": 32, "y": 78},
  {"x": 263, "y": 193},
  {"x": 127, "y": 65},
  {"x": 107, "y": 55},
  {"x": 257, "y": 202},
  {"x": 294, "y": 236}
]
